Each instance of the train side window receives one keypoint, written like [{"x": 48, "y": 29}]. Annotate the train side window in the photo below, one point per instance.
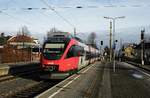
[
  {"x": 87, "y": 55},
  {"x": 71, "y": 52},
  {"x": 80, "y": 51},
  {"x": 75, "y": 51}
]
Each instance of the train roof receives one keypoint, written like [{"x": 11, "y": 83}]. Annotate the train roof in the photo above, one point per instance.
[
  {"x": 78, "y": 39},
  {"x": 63, "y": 37},
  {"x": 60, "y": 34}
]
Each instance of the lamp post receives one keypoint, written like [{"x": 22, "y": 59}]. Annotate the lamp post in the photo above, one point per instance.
[
  {"x": 110, "y": 41},
  {"x": 75, "y": 32},
  {"x": 100, "y": 50},
  {"x": 113, "y": 20},
  {"x": 142, "y": 46}
]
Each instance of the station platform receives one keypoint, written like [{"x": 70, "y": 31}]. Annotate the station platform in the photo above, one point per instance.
[
  {"x": 147, "y": 67},
  {"x": 100, "y": 80},
  {"x": 13, "y": 68}
]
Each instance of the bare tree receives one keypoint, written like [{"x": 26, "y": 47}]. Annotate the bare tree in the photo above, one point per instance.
[
  {"x": 53, "y": 30},
  {"x": 92, "y": 39},
  {"x": 24, "y": 31}
]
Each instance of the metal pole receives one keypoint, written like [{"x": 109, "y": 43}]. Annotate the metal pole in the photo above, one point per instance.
[
  {"x": 113, "y": 19},
  {"x": 30, "y": 52},
  {"x": 142, "y": 46},
  {"x": 114, "y": 44},
  {"x": 120, "y": 50},
  {"x": 113, "y": 29},
  {"x": 142, "y": 52},
  {"x": 114, "y": 65},
  {"x": 74, "y": 32},
  {"x": 110, "y": 40},
  {"x": 100, "y": 55},
  {"x": 22, "y": 45}
]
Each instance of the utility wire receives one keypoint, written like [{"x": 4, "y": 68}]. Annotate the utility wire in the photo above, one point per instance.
[
  {"x": 19, "y": 19},
  {"x": 57, "y": 13},
  {"x": 12, "y": 16},
  {"x": 31, "y": 9},
  {"x": 15, "y": 18},
  {"x": 80, "y": 7}
]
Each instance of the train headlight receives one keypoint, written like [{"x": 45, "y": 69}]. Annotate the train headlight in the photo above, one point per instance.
[
  {"x": 50, "y": 63},
  {"x": 51, "y": 68}
]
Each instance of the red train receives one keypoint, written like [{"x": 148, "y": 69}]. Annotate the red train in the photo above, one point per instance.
[{"x": 63, "y": 55}]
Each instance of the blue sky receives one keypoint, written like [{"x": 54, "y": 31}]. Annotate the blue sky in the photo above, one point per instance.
[{"x": 88, "y": 19}]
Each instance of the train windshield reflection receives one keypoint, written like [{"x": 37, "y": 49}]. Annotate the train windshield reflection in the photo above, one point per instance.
[{"x": 53, "y": 51}]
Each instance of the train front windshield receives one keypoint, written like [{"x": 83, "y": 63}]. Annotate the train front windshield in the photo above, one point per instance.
[{"x": 53, "y": 51}]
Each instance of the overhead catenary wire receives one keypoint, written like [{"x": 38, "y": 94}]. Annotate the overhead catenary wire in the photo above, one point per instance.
[
  {"x": 23, "y": 9},
  {"x": 15, "y": 18},
  {"x": 31, "y": 9},
  {"x": 58, "y": 14},
  {"x": 12, "y": 16},
  {"x": 93, "y": 6},
  {"x": 66, "y": 20}
]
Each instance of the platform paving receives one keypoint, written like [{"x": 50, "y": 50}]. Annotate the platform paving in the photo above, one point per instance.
[{"x": 100, "y": 81}]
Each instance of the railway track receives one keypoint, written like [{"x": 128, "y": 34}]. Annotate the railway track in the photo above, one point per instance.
[
  {"x": 24, "y": 73},
  {"x": 34, "y": 85},
  {"x": 6, "y": 78},
  {"x": 38, "y": 88}
]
